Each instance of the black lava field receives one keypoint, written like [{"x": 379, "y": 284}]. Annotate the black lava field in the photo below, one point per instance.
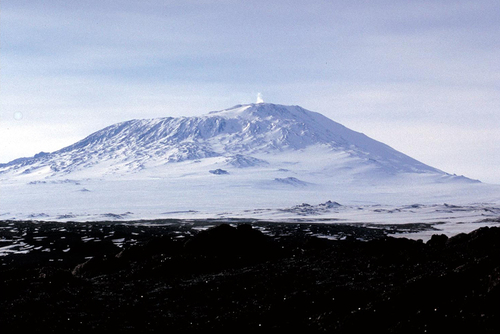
[{"x": 244, "y": 277}]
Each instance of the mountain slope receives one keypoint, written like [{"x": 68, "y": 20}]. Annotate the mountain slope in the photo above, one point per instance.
[{"x": 244, "y": 136}]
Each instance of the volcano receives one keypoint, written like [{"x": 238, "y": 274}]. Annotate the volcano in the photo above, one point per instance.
[
  {"x": 248, "y": 157},
  {"x": 236, "y": 135}
]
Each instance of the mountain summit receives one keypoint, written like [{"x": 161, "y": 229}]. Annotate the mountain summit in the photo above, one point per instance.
[{"x": 243, "y": 136}]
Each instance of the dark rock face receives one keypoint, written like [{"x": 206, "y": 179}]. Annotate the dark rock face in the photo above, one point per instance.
[
  {"x": 227, "y": 241},
  {"x": 218, "y": 171},
  {"x": 229, "y": 279},
  {"x": 438, "y": 240}
]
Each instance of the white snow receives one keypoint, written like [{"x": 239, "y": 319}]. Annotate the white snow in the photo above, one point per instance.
[{"x": 276, "y": 157}]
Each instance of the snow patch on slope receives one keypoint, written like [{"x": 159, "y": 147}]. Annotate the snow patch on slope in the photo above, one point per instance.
[
  {"x": 291, "y": 181},
  {"x": 242, "y": 161}
]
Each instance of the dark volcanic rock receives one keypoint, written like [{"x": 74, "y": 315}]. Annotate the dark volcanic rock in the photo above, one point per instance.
[
  {"x": 437, "y": 240},
  {"x": 227, "y": 279},
  {"x": 225, "y": 240}
]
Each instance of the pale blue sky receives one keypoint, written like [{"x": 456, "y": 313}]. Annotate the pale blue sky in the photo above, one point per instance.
[{"x": 420, "y": 76}]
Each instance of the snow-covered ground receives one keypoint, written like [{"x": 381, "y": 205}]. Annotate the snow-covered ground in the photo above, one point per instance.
[
  {"x": 283, "y": 189},
  {"x": 263, "y": 161}
]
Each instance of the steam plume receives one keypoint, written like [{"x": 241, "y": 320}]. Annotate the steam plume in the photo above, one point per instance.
[{"x": 259, "y": 98}]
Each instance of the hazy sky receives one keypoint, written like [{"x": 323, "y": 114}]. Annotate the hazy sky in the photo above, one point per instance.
[{"x": 420, "y": 76}]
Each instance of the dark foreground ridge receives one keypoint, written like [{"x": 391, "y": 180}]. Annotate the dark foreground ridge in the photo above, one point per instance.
[{"x": 174, "y": 278}]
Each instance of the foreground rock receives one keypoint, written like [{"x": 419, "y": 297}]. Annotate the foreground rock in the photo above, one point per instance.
[{"x": 235, "y": 279}]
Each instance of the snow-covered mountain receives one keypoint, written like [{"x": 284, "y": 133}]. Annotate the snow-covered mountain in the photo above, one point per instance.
[
  {"x": 243, "y": 135},
  {"x": 255, "y": 161}
]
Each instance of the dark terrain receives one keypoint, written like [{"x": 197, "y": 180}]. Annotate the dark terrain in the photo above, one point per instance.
[{"x": 174, "y": 277}]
